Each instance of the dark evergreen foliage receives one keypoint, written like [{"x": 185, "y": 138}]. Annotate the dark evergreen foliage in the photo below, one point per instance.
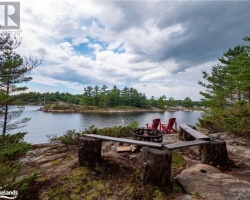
[
  {"x": 14, "y": 70},
  {"x": 104, "y": 98},
  {"x": 228, "y": 93}
]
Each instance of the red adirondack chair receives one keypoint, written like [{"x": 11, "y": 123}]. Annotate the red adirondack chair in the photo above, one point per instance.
[
  {"x": 168, "y": 127},
  {"x": 155, "y": 124}
]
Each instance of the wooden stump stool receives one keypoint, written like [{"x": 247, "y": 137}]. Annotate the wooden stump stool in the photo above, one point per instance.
[
  {"x": 156, "y": 167},
  {"x": 89, "y": 152},
  {"x": 214, "y": 153}
]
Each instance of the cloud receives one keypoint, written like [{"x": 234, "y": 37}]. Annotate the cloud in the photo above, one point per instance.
[{"x": 157, "y": 47}]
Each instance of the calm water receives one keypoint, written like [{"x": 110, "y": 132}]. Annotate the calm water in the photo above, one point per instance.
[{"x": 44, "y": 123}]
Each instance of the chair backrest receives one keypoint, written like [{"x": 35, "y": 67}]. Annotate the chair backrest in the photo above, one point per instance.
[
  {"x": 171, "y": 122},
  {"x": 156, "y": 123}
]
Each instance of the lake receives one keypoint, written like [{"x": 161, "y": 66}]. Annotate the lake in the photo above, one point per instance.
[{"x": 46, "y": 123}]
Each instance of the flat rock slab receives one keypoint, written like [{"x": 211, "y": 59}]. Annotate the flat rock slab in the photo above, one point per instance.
[
  {"x": 210, "y": 183},
  {"x": 239, "y": 153}
]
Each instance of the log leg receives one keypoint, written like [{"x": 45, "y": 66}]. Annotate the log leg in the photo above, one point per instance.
[
  {"x": 189, "y": 137},
  {"x": 89, "y": 152},
  {"x": 185, "y": 136},
  {"x": 156, "y": 167},
  {"x": 214, "y": 153},
  {"x": 181, "y": 134}
]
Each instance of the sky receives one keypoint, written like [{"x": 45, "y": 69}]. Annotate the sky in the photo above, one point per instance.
[{"x": 157, "y": 47}]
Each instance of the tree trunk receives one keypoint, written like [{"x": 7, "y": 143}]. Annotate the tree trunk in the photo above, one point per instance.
[
  {"x": 156, "y": 167},
  {"x": 214, "y": 153},
  {"x": 6, "y": 110},
  {"x": 89, "y": 153},
  {"x": 5, "y": 120}
]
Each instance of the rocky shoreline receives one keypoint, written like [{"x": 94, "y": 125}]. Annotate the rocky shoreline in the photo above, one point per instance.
[{"x": 62, "y": 107}]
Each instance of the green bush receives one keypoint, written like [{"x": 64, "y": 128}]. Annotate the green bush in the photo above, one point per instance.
[
  {"x": 237, "y": 119},
  {"x": 72, "y": 137},
  {"x": 8, "y": 172},
  {"x": 234, "y": 119},
  {"x": 13, "y": 138},
  {"x": 47, "y": 106},
  {"x": 58, "y": 107},
  {"x": 13, "y": 151},
  {"x": 212, "y": 120},
  {"x": 11, "y": 148}
]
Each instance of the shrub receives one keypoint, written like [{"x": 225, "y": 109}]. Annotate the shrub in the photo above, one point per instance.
[
  {"x": 234, "y": 119},
  {"x": 13, "y": 138},
  {"x": 72, "y": 137},
  {"x": 13, "y": 151},
  {"x": 11, "y": 148},
  {"x": 8, "y": 172},
  {"x": 237, "y": 119}
]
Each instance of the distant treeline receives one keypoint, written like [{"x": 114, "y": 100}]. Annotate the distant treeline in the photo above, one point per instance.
[{"x": 104, "y": 97}]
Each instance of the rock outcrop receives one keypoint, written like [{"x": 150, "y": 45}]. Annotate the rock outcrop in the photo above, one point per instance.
[{"x": 210, "y": 183}]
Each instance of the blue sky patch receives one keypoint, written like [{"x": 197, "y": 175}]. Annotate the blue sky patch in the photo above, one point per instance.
[
  {"x": 86, "y": 49},
  {"x": 120, "y": 49}
]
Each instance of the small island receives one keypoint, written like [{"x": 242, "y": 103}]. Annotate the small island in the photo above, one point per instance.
[
  {"x": 102, "y": 99},
  {"x": 62, "y": 107}
]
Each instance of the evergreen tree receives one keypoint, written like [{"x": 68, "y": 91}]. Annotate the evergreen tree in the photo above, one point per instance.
[
  {"x": 87, "y": 96},
  {"x": 216, "y": 93},
  {"x": 114, "y": 97},
  {"x": 13, "y": 71},
  {"x": 125, "y": 96},
  {"x": 7, "y": 42},
  {"x": 161, "y": 102},
  {"x": 171, "y": 102},
  {"x": 187, "y": 103},
  {"x": 234, "y": 71},
  {"x": 228, "y": 92}
]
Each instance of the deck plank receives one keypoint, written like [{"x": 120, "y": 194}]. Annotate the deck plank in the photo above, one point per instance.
[
  {"x": 196, "y": 134},
  {"x": 185, "y": 144},
  {"x": 124, "y": 140}
]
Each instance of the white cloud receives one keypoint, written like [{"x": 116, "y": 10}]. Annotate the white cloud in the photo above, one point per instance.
[
  {"x": 77, "y": 41},
  {"x": 163, "y": 45}
]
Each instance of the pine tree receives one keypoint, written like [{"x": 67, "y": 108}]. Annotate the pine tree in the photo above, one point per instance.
[
  {"x": 13, "y": 71},
  {"x": 228, "y": 92}
]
